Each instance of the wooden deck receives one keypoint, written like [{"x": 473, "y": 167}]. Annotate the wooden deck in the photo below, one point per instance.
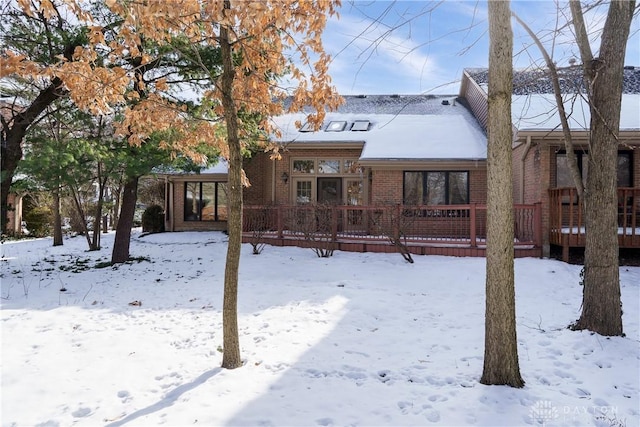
[
  {"x": 453, "y": 230},
  {"x": 566, "y": 219}
]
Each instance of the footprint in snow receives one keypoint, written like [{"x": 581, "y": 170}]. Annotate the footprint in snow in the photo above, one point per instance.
[
  {"x": 324, "y": 422},
  {"x": 433, "y": 416},
  {"x": 81, "y": 412}
]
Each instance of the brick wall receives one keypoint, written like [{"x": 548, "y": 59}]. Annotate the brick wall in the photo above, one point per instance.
[
  {"x": 386, "y": 187},
  {"x": 258, "y": 171},
  {"x": 478, "y": 185}
]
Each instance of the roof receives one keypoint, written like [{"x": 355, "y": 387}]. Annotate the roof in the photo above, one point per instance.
[
  {"x": 530, "y": 82},
  {"x": 533, "y": 101},
  {"x": 221, "y": 166},
  {"x": 400, "y": 127},
  {"x": 540, "y": 112}
]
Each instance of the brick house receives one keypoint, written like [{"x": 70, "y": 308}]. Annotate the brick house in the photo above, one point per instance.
[
  {"x": 540, "y": 172},
  {"x": 376, "y": 155},
  {"x": 377, "y": 149}
]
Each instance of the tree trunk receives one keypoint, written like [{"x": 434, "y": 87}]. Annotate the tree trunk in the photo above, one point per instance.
[
  {"x": 97, "y": 219},
  {"x": 77, "y": 202},
  {"x": 13, "y": 132},
  {"x": 501, "y": 365},
  {"x": 122, "y": 239},
  {"x": 57, "y": 220},
  {"x": 117, "y": 196},
  {"x": 231, "y": 341},
  {"x": 601, "y": 304},
  {"x": 11, "y": 153}
]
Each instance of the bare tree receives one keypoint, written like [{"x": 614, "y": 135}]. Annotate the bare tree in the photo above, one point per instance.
[
  {"x": 601, "y": 305},
  {"x": 500, "y": 342},
  {"x": 396, "y": 224},
  {"x": 603, "y": 76},
  {"x": 316, "y": 224}
]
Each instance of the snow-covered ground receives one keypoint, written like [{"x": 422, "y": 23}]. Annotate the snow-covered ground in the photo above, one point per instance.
[{"x": 357, "y": 339}]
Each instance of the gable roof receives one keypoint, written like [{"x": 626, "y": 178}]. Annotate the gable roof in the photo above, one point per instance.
[
  {"x": 533, "y": 101},
  {"x": 401, "y": 127}
]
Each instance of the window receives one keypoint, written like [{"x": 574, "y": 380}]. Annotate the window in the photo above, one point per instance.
[
  {"x": 303, "y": 166},
  {"x": 303, "y": 192},
  {"x": 436, "y": 188},
  {"x": 563, "y": 175},
  {"x": 205, "y": 201},
  {"x": 327, "y": 180},
  {"x": 336, "y": 126},
  {"x": 328, "y": 166},
  {"x": 360, "y": 126}
]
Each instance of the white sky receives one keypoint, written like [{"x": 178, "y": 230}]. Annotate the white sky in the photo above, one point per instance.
[{"x": 428, "y": 53}]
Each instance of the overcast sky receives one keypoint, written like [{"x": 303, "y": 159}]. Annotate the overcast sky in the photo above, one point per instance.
[{"x": 411, "y": 47}]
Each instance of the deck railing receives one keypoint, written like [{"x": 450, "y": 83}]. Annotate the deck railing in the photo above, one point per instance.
[
  {"x": 463, "y": 225},
  {"x": 566, "y": 218}
]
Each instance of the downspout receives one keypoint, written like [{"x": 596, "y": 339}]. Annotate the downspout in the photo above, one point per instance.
[{"x": 522, "y": 168}]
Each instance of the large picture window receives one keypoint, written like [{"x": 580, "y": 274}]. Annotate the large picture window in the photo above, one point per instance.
[
  {"x": 563, "y": 175},
  {"x": 436, "y": 188},
  {"x": 205, "y": 201}
]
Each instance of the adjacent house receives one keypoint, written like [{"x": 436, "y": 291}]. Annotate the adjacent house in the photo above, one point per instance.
[{"x": 540, "y": 172}]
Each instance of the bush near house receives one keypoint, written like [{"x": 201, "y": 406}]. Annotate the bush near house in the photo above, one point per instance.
[
  {"x": 153, "y": 219},
  {"x": 38, "y": 221}
]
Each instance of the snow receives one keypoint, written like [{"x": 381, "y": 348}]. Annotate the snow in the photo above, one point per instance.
[
  {"x": 356, "y": 339},
  {"x": 627, "y": 231},
  {"x": 399, "y": 137},
  {"x": 540, "y": 112}
]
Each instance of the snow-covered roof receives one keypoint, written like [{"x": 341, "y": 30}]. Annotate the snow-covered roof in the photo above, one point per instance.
[
  {"x": 534, "y": 107},
  {"x": 414, "y": 127},
  {"x": 220, "y": 167},
  {"x": 537, "y": 81},
  {"x": 540, "y": 112}
]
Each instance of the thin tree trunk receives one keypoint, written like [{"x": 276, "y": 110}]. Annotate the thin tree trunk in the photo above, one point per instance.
[
  {"x": 57, "y": 220},
  {"x": 122, "y": 240},
  {"x": 75, "y": 194},
  {"x": 117, "y": 196},
  {"x": 601, "y": 304},
  {"x": 97, "y": 220},
  {"x": 501, "y": 365},
  {"x": 231, "y": 341}
]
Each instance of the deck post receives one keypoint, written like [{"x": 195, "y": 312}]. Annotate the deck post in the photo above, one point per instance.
[
  {"x": 279, "y": 221},
  {"x": 537, "y": 223},
  {"x": 472, "y": 225},
  {"x": 334, "y": 223}
]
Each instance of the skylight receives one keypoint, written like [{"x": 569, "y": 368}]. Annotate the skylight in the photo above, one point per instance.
[
  {"x": 336, "y": 126},
  {"x": 306, "y": 127},
  {"x": 360, "y": 125}
]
